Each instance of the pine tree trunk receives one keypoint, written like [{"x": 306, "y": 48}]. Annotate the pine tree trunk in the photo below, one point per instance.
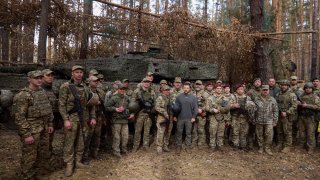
[
  {"x": 205, "y": 11},
  {"x": 262, "y": 61},
  {"x": 315, "y": 27},
  {"x": 4, "y": 44},
  {"x": 42, "y": 43},
  {"x": 87, "y": 11}
]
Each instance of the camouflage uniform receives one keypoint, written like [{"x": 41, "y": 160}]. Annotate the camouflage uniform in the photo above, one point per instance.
[
  {"x": 94, "y": 132},
  {"x": 298, "y": 92},
  {"x": 253, "y": 94},
  {"x": 306, "y": 121},
  {"x": 174, "y": 93},
  {"x": 240, "y": 120},
  {"x": 120, "y": 129},
  {"x": 287, "y": 102},
  {"x": 227, "y": 118},
  {"x": 143, "y": 119},
  {"x": 73, "y": 140},
  {"x": 217, "y": 121},
  {"x": 198, "y": 131},
  {"x": 267, "y": 115},
  {"x": 33, "y": 115},
  {"x": 53, "y": 98},
  {"x": 163, "y": 122}
]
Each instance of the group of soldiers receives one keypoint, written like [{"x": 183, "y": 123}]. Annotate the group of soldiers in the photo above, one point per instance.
[{"x": 248, "y": 115}]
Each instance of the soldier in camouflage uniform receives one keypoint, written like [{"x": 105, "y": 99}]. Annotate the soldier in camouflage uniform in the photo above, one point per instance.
[
  {"x": 92, "y": 143},
  {"x": 308, "y": 104},
  {"x": 217, "y": 107},
  {"x": 101, "y": 84},
  {"x": 316, "y": 84},
  {"x": 52, "y": 93},
  {"x": 33, "y": 117},
  {"x": 145, "y": 96},
  {"x": 274, "y": 89},
  {"x": 266, "y": 119},
  {"x": 287, "y": 103},
  {"x": 163, "y": 119},
  {"x": 118, "y": 106},
  {"x": 198, "y": 131},
  {"x": 228, "y": 129},
  {"x": 298, "y": 92},
  {"x": 73, "y": 129},
  {"x": 209, "y": 89},
  {"x": 253, "y": 93},
  {"x": 239, "y": 117}
]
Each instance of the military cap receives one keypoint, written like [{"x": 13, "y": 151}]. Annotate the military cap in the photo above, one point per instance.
[
  {"x": 308, "y": 85},
  {"x": 47, "y": 72},
  {"x": 177, "y": 79},
  {"x": 34, "y": 74},
  {"x": 226, "y": 85},
  {"x": 238, "y": 86},
  {"x": 284, "y": 82},
  {"x": 125, "y": 80},
  {"x": 93, "y": 71},
  {"x": 150, "y": 74},
  {"x": 100, "y": 76},
  {"x": 219, "y": 81},
  {"x": 117, "y": 82},
  {"x": 209, "y": 83},
  {"x": 77, "y": 67},
  {"x": 166, "y": 87},
  {"x": 93, "y": 78},
  {"x": 199, "y": 82},
  {"x": 265, "y": 87},
  {"x": 187, "y": 82},
  {"x": 121, "y": 86},
  {"x": 145, "y": 80},
  {"x": 294, "y": 78},
  {"x": 163, "y": 81}
]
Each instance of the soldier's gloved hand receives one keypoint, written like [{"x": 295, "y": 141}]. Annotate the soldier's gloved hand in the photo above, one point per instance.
[
  {"x": 50, "y": 130},
  {"x": 29, "y": 140},
  {"x": 93, "y": 122},
  {"x": 67, "y": 124}
]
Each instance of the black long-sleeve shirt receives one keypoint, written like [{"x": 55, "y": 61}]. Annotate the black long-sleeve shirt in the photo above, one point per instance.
[{"x": 189, "y": 106}]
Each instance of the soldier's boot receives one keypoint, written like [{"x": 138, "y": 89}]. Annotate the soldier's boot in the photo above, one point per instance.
[
  {"x": 188, "y": 150},
  {"x": 260, "y": 151},
  {"x": 159, "y": 149},
  {"x": 146, "y": 148},
  {"x": 278, "y": 147},
  {"x": 117, "y": 154},
  {"x": 268, "y": 151},
  {"x": 179, "y": 149},
  {"x": 166, "y": 149},
  {"x": 285, "y": 150},
  {"x": 124, "y": 151},
  {"x": 80, "y": 165},
  {"x": 95, "y": 154},
  {"x": 134, "y": 149},
  {"x": 221, "y": 148},
  {"x": 69, "y": 170},
  {"x": 310, "y": 150}
]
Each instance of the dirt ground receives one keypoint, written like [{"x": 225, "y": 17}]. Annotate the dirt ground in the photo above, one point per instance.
[{"x": 200, "y": 164}]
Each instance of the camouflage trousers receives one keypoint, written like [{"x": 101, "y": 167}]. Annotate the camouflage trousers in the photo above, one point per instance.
[
  {"x": 284, "y": 129},
  {"x": 36, "y": 155},
  {"x": 307, "y": 131},
  {"x": 92, "y": 143},
  {"x": 240, "y": 128},
  {"x": 295, "y": 128},
  {"x": 163, "y": 134},
  {"x": 264, "y": 134},
  {"x": 216, "y": 131},
  {"x": 120, "y": 133},
  {"x": 181, "y": 124},
  {"x": 143, "y": 122},
  {"x": 198, "y": 131},
  {"x": 73, "y": 143}
]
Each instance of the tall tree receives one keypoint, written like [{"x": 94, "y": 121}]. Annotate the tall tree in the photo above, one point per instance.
[
  {"x": 262, "y": 60},
  {"x": 87, "y": 12},
  {"x": 4, "y": 32},
  {"x": 315, "y": 28},
  {"x": 42, "y": 43}
]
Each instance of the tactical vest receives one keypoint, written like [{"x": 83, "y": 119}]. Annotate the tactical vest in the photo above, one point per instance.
[
  {"x": 309, "y": 99},
  {"x": 242, "y": 110},
  {"x": 39, "y": 104},
  {"x": 284, "y": 101}
]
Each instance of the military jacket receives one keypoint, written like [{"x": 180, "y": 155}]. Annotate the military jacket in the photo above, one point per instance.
[
  {"x": 287, "y": 102},
  {"x": 66, "y": 102},
  {"x": 32, "y": 111},
  {"x": 217, "y": 102},
  {"x": 116, "y": 101},
  {"x": 254, "y": 93},
  {"x": 313, "y": 104},
  {"x": 174, "y": 93},
  {"x": 243, "y": 101},
  {"x": 161, "y": 107},
  {"x": 267, "y": 110},
  {"x": 52, "y": 95}
]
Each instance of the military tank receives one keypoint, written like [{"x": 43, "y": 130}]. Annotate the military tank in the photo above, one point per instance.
[{"x": 133, "y": 66}]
